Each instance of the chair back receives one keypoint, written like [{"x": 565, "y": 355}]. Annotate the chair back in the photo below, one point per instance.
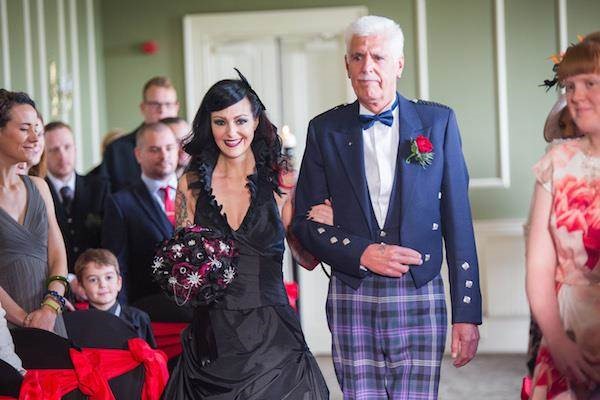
[
  {"x": 161, "y": 308},
  {"x": 103, "y": 330},
  {"x": 41, "y": 349},
  {"x": 10, "y": 380}
]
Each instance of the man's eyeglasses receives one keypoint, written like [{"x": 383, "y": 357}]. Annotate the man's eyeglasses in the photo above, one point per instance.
[{"x": 157, "y": 105}]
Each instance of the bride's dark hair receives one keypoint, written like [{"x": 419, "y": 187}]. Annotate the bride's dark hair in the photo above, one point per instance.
[{"x": 266, "y": 144}]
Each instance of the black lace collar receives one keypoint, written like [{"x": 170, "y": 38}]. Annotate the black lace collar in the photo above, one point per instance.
[{"x": 203, "y": 166}]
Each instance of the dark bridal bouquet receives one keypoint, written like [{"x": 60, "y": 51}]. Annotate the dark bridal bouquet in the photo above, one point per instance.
[{"x": 196, "y": 265}]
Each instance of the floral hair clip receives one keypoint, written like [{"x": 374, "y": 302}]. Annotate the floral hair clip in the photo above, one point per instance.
[
  {"x": 421, "y": 151},
  {"x": 556, "y": 59}
]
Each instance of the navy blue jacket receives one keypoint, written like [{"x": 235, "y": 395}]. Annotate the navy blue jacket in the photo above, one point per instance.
[
  {"x": 119, "y": 165},
  {"x": 426, "y": 205},
  {"x": 134, "y": 223}
]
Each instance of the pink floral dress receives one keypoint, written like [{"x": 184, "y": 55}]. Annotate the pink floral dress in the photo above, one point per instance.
[{"x": 573, "y": 179}]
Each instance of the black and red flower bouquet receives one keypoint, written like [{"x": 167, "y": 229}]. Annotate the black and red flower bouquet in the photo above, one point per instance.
[{"x": 195, "y": 266}]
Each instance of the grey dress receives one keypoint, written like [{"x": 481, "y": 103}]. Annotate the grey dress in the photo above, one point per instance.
[{"x": 24, "y": 254}]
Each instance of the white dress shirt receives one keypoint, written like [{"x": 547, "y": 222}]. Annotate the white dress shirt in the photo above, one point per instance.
[
  {"x": 59, "y": 183},
  {"x": 154, "y": 187},
  {"x": 381, "y": 149}
]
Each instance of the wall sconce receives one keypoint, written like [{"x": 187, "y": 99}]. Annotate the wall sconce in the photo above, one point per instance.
[
  {"x": 288, "y": 141},
  {"x": 61, "y": 93}
]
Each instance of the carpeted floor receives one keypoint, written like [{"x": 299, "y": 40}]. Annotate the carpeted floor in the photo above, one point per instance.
[{"x": 488, "y": 376}]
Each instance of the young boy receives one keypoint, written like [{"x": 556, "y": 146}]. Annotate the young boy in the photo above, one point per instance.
[{"x": 98, "y": 274}]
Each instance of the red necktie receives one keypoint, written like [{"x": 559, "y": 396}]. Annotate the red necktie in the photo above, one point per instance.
[{"x": 169, "y": 204}]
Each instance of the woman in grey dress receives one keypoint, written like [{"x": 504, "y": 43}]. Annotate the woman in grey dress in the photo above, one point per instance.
[{"x": 31, "y": 245}]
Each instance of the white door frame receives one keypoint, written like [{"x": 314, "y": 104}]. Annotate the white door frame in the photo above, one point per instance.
[{"x": 201, "y": 30}]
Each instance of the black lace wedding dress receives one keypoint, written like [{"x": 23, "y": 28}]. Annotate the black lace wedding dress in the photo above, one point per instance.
[{"x": 260, "y": 349}]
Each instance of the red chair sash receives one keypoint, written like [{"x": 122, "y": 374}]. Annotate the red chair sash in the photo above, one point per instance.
[
  {"x": 92, "y": 370},
  {"x": 48, "y": 384},
  {"x": 91, "y": 380},
  {"x": 155, "y": 366},
  {"x": 168, "y": 337}
]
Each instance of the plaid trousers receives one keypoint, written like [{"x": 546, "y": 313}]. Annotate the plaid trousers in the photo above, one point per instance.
[{"x": 388, "y": 337}]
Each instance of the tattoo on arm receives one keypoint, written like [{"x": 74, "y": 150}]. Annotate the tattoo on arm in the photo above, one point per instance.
[{"x": 181, "y": 212}]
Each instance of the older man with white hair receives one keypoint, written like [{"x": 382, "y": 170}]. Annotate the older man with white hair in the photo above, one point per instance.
[{"x": 384, "y": 182}]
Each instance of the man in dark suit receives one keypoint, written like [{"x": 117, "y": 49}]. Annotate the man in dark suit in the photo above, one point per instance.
[
  {"x": 142, "y": 215},
  {"x": 182, "y": 130},
  {"x": 395, "y": 175},
  {"x": 119, "y": 165},
  {"x": 78, "y": 200}
]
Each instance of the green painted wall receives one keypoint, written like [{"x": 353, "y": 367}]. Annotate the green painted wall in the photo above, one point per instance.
[
  {"x": 461, "y": 60},
  {"x": 125, "y": 27},
  {"x": 45, "y": 37}
]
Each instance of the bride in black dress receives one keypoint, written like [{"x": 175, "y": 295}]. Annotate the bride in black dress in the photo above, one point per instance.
[{"x": 236, "y": 184}]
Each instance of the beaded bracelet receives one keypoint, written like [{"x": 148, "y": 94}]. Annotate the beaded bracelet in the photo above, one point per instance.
[
  {"x": 60, "y": 279},
  {"x": 50, "y": 302},
  {"x": 60, "y": 300}
]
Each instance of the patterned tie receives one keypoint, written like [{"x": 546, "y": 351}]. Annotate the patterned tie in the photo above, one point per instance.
[
  {"x": 169, "y": 204},
  {"x": 66, "y": 193},
  {"x": 386, "y": 117}
]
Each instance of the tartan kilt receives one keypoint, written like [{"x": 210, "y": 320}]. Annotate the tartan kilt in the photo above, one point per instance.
[{"x": 388, "y": 337}]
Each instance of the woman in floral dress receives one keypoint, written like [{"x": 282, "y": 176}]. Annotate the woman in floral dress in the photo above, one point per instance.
[{"x": 563, "y": 249}]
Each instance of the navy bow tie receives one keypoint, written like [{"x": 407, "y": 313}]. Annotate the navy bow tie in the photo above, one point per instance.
[{"x": 386, "y": 117}]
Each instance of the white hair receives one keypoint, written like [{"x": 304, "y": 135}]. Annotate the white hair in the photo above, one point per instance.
[{"x": 374, "y": 25}]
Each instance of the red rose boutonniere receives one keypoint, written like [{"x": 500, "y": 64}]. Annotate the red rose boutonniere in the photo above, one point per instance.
[{"x": 421, "y": 151}]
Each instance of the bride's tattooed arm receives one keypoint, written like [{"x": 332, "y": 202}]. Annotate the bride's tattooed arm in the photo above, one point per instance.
[{"x": 181, "y": 210}]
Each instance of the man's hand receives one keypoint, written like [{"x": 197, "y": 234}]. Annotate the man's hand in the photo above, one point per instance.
[
  {"x": 389, "y": 260},
  {"x": 465, "y": 338}
]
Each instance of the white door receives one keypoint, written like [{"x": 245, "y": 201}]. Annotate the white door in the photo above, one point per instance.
[{"x": 258, "y": 60}]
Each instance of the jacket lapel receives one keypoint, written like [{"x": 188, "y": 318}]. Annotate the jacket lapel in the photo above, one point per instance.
[
  {"x": 82, "y": 194},
  {"x": 348, "y": 139},
  {"x": 410, "y": 128},
  {"x": 149, "y": 205},
  {"x": 61, "y": 216}
]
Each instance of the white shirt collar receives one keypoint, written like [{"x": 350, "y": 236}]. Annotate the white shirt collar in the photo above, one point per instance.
[
  {"x": 365, "y": 111},
  {"x": 154, "y": 185},
  {"x": 59, "y": 183}
]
